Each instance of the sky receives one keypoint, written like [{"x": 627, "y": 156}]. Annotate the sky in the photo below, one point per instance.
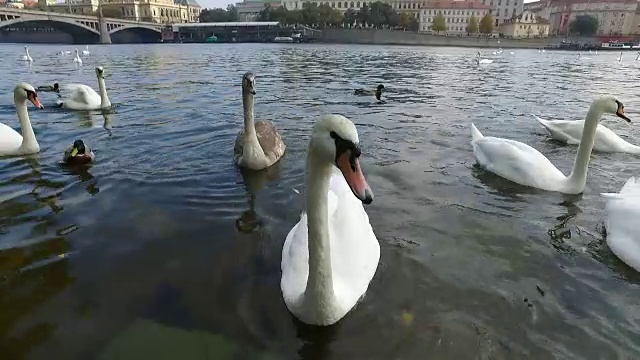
[{"x": 223, "y": 3}]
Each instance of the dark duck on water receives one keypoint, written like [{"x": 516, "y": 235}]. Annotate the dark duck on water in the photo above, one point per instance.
[
  {"x": 55, "y": 87},
  {"x": 377, "y": 92},
  {"x": 78, "y": 153}
]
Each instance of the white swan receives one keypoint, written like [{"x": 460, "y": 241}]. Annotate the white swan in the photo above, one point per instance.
[
  {"x": 83, "y": 97},
  {"x": 482, "y": 61},
  {"x": 86, "y": 51},
  {"x": 12, "y": 143},
  {"x": 259, "y": 144},
  {"x": 26, "y": 56},
  {"x": 570, "y": 132},
  {"x": 623, "y": 210},
  {"x": 330, "y": 256},
  {"x": 525, "y": 165},
  {"x": 77, "y": 59},
  {"x": 511, "y": 53}
]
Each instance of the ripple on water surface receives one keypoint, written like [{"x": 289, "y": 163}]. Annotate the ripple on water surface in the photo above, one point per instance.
[{"x": 163, "y": 235}]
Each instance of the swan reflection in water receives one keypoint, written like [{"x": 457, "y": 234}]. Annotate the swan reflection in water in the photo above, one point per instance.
[
  {"x": 254, "y": 181},
  {"x": 87, "y": 119}
]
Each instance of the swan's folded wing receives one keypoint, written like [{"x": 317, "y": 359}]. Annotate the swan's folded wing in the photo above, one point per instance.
[
  {"x": 515, "y": 161},
  {"x": 622, "y": 228},
  {"x": 355, "y": 250},
  {"x": 295, "y": 261},
  {"x": 269, "y": 139}
]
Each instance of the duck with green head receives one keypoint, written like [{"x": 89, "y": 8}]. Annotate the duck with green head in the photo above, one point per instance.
[
  {"x": 377, "y": 92},
  {"x": 55, "y": 88},
  {"x": 78, "y": 153}
]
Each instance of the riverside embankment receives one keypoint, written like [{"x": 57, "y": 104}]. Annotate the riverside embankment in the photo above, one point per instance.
[{"x": 393, "y": 37}]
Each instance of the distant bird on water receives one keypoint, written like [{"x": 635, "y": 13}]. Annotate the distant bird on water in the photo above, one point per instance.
[{"x": 377, "y": 92}]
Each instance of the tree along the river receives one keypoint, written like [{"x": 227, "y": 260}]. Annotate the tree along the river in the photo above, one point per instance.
[
  {"x": 486, "y": 24},
  {"x": 472, "y": 27},
  {"x": 375, "y": 14},
  {"x": 219, "y": 15},
  {"x": 439, "y": 23},
  {"x": 584, "y": 25}
]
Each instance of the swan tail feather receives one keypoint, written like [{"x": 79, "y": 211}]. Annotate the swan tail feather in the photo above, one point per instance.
[
  {"x": 540, "y": 120},
  {"x": 475, "y": 134}
]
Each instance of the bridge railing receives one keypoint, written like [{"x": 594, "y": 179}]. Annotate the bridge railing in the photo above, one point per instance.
[{"x": 51, "y": 15}]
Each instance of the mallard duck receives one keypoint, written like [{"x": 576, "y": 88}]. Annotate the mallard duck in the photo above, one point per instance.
[
  {"x": 55, "y": 88},
  {"x": 78, "y": 153},
  {"x": 377, "y": 92}
]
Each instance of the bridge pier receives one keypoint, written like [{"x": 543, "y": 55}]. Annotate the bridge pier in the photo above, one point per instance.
[{"x": 105, "y": 38}]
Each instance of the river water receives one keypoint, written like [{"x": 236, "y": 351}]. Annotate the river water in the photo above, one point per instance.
[{"x": 163, "y": 249}]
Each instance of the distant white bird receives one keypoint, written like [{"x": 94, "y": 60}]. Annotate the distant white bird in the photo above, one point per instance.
[
  {"x": 512, "y": 53},
  {"x": 26, "y": 57},
  {"x": 77, "y": 59},
  {"x": 482, "y": 61},
  {"x": 86, "y": 51},
  {"x": 620, "y": 57}
]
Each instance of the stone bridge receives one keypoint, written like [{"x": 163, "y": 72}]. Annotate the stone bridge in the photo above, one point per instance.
[{"x": 86, "y": 27}]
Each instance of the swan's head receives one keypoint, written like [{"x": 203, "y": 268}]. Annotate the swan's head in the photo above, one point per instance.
[
  {"x": 24, "y": 92},
  {"x": 611, "y": 105},
  {"x": 335, "y": 140},
  {"x": 100, "y": 72},
  {"x": 249, "y": 83}
]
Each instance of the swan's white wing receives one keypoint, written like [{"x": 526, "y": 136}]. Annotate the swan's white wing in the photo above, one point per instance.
[
  {"x": 10, "y": 140},
  {"x": 571, "y": 133},
  {"x": 355, "y": 250},
  {"x": 517, "y": 162},
  {"x": 623, "y": 211},
  {"x": 81, "y": 97},
  {"x": 562, "y": 130}
]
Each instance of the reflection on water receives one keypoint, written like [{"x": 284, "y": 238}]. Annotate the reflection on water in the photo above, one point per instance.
[{"x": 164, "y": 244}]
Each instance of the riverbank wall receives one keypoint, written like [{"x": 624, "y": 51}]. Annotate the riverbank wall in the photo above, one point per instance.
[{"x": 395, "y": 37}]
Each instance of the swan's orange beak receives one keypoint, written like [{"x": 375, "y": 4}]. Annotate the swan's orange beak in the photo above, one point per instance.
[
  {"x": 620, "y": 112},
  {"x": 350, "y": 168},
  {"x": 33, "y": 97}
]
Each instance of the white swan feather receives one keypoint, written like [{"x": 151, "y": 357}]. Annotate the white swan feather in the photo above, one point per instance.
[
  {"x": 623, "y": 211},
  {"x": 11, "y": 142},
  {"x": 351, "y": 258},
  {"x": 525, "y": 165},
  {"x": 83, "y": 97},
  {"x": 570, "y": 132}
]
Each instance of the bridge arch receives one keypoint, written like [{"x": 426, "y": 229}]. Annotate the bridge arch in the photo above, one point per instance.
[
  {"x": 22, "y": 20},
  {"x": 134, "y": 27},
  {"x": 135, "y": 33}
]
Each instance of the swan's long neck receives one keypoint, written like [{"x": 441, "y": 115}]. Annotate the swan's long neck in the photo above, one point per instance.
[
  {"x": 249, "y": 125},
  {"x": 104, "y": 99},
  {"x": 319, "y": 292},
  {"x": 578, "y": 177},
  {"x": 28, "y": 137}
]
